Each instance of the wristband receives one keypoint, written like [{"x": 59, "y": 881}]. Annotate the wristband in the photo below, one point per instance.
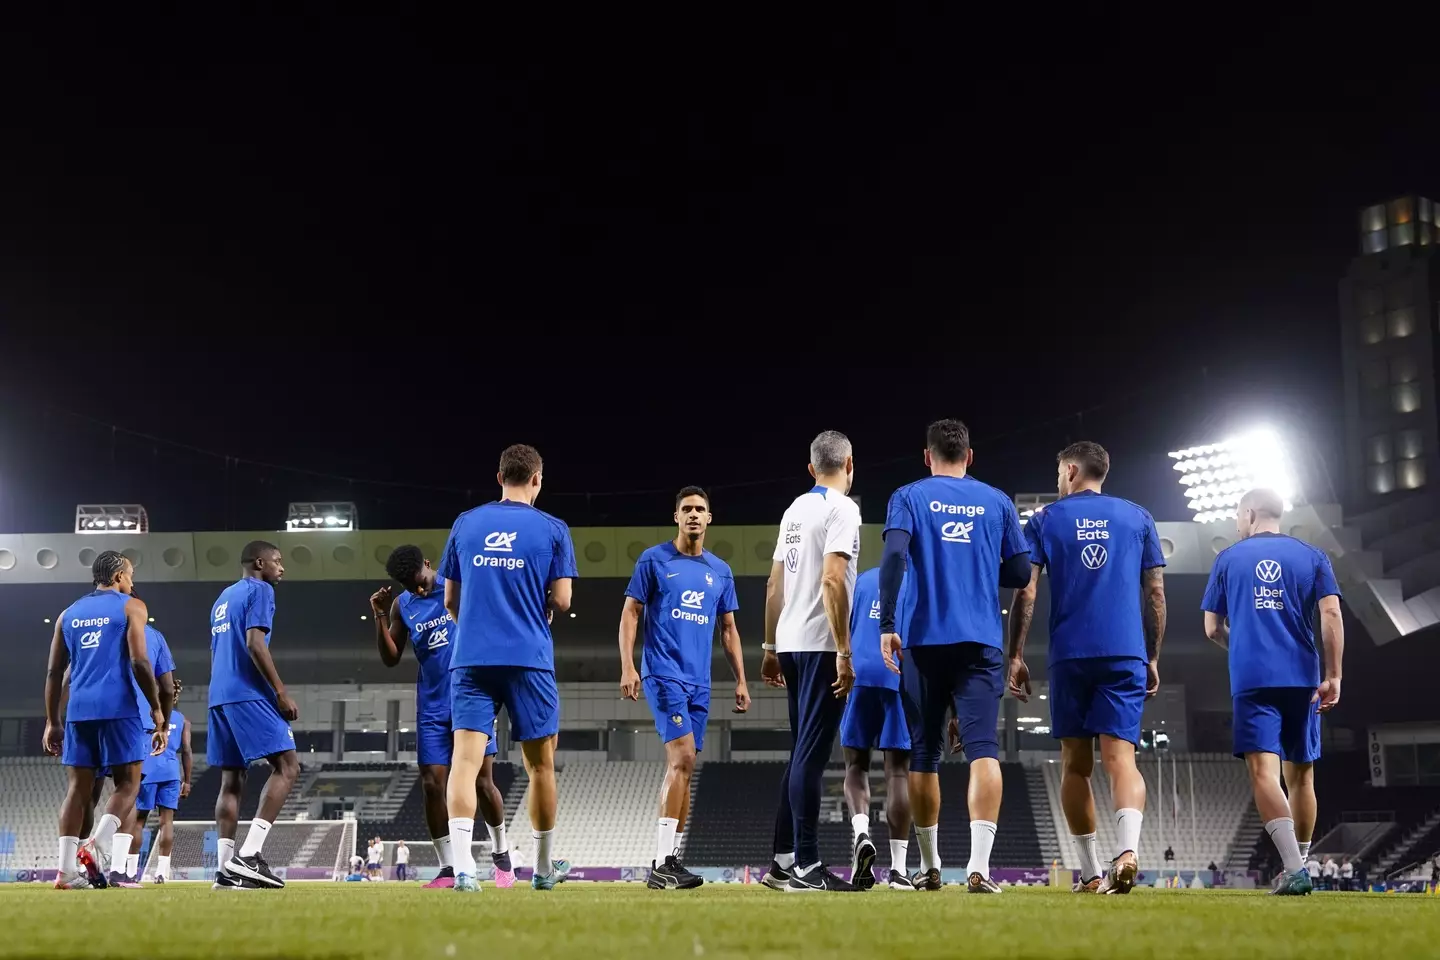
[{"x": 768, "y": 647}]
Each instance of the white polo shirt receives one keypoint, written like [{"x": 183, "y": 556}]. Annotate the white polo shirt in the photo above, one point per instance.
[{"x": 819, "y": 522}]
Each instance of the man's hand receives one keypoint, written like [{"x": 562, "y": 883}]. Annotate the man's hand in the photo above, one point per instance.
[
  {"x": 630, "y": 684},
  {"x": 54, "y": 739},
  {"x": 1327, "y": 696},
  {"x": 1019, "y": 680},
  {"x": 844, "y": 677},
  {"x": 742, "y": 697},
  {"x": 287, "y": 707},
  {"x": 1152, "y": 679},
  {"x": 380, "y": 601},
  {"x": 770, "y": 670},
  {"x": 890, "y": 651},
  {"x": 184, "y": 789},
  {"x": 158, "y": 739}
]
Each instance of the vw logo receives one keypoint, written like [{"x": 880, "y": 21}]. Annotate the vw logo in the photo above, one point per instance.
[
  {"x": 792, "y": 559},
  {"x": 1094, "y": 556},
  {"x": 1268, "y": 570}
]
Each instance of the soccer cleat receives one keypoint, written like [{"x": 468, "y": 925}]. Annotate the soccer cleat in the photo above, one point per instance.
[
  {"x": 96, "y": 864},
  {"x": 928, "y": 880},
  {"x": 864, "y": 862},
  {"x": 777, "y": 877},
  {"x": 120, "y": 881},
  {"x": 819, "y": 880},
  {"x": 158, "y": 880},
  {"x": 898, "y": 881},
  {"x": 559, "y": 871},
  {"x": 504, "y": 871},
  {"x": 671, "y": 875},
  {"x": 1295, "y": 884},
  {"x": 1086, "y": 886},
  {"x": 444, "y": 880},
  {"x": 464, "y": 883},
  {"x": 1121, "y": 878},
  {"x": 978, "y": 884},
  {"x": 255, "y": 869},
  {"x": 76, "y": 881},
  {"x": 224, "y": 881}
]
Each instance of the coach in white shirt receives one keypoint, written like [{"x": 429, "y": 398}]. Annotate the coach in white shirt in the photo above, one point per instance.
[{"x": 807, "y": 651}]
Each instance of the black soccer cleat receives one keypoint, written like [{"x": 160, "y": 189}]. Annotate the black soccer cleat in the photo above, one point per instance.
[
  {"x": 928, "y": 880},
  {"x": 255, "y": 869},
  {"x": 976, "y": 883},
  {"x": 224, "y": 881},
  {"x": 819, "y": 880},
  {"x": 898, "y": 881},
  {"x": 864, "y": 862},
  {"x": 672, "y": 875},
  {"x": 777, "y": 877}
]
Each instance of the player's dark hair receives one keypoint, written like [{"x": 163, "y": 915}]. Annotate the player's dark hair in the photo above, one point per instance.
[
  {"x": 518, "y": 463},
  {"x": 404, "y": 564},
  {"x": 256, "y": 550},
  {"x": 106, "y": 568},
  {"x": 1089, "y": 456},
  {"x": 692, "y": 491},
  {"x": 948, "y": 440}
]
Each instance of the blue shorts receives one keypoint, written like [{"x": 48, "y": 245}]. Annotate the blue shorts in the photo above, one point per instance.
[
  {"x": 679, "y": 708},
  {"x": 105, "y": 743},
  {"x": 435, "y": 743},
  {"x": 1279, "y": 720},
  {"x": 241, "y": 733},
  {"x": 1097, "y": 695},
  {"x": 154, "y": 793},
  {"x": 874, "y": 719},
  {"x": 528, "y": 694},
  {"x": 970, "y": 675}
]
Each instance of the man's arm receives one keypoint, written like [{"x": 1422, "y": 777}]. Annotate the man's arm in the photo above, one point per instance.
[
  {"x": 560, "y": 594},
  {"x": 835, "y": 594},
  {"x": 391, "y": 633},
  {"x": 136, "y": 616},
  {"x": 452, "y": 598},
  {"x": 57, "y": 678},
  {"x": 892, "y": 576},
  {"x": 774, "y": 603},
  {"x": 187, "y": 757},
  {"x": 1332, "y": 634},
  {"x": 734, "y": 655},
  {"x": 259, "y": 652},
  {"x": 1217, "y": 628},
  {"x": 1153, "y": 581},
  {"x": 629, "y": 626},
  {"x": 1022, "y": 611}
]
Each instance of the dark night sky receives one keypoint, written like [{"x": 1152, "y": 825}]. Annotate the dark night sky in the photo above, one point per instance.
[{"x": 664, "y": 252}]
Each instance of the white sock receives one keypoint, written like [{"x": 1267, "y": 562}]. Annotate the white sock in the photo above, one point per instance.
[
  {"x": 929, "y": 847},
  {"x": 860, "y": 823},
  {"x": 132, "y": 864},
  {"x": 665, "y": 840},
  {"x": 899, "y": 850},
  {"x": 1304, "y": 849},
  {"x": 1089, "y": 856},
  {"x": 65, "y": 862},
  {"x": 1127, "y": 829},
  {"x": 119, "y": 852},
  {"x": 442, "y": 850},
  {"x": 544, "y": 843},
  {"x": 105, "y": 832},
  {"x": 982, "y": 838},
  {"x": 786, "y": 860},
  {"x": 162, "y": 867},
  {"x": 497, "y": 838},
  {"x": 224, "y": 851},
  {"x": 255, "y": 839},
  {"x": 679, "y": 842},
  {"x": 1282, "y": 832},
  {"x": 462, "y": 833}
]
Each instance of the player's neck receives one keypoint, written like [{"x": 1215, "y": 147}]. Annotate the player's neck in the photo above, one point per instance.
[
  {"x": 939, "y": 469},
  {"x": 1265, "y": 526},
  {"x": 833, "y": 481},
  {"x": 1089, "y": 486},
  {"x": 688, "y": 546},
  {"x": 518, "y": 494}
]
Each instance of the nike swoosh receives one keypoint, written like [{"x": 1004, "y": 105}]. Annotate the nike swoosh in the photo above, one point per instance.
[{"x": 669, "y": 575}]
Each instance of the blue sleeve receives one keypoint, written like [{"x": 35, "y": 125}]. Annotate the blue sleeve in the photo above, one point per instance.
[
  {"x": 892, "y": 573},
  {"x": 1214, "y": 601},
  {"x": 161, "y": 661},
  {"x": 1016, "y": 571},
  {"x": 1012, "y": 540},
  {"x": 898, "y": 515},
  {"x": 1151, "y": 555},
  {"x": 729, "y": 603},
  {"x": 1035, "y": 540},
  {"x": 450, "y": 567},
  {"x": 639, "y": 589},
  {"x": 261, "y": 614},
  {"x": 562, "y": 561},
  {"x": 1325, "y": 583}
]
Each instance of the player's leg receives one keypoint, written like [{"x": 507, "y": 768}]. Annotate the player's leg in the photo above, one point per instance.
[
  {"x": 123, "y": 746},
  {"x": 112, "y": 845},
  {"x": 925, "y": 684},
  {"x": 473, "y": 718},
  {"x": 1300, "y": 748},
  {"x": 96, "y": 789},
  {"x": 1300, "y": 788},
  {"x": 533, "y": 701},
  {"x": 698, "y": 698},
  {"x": 819, "y": 714},
  {"x": 859, "y": 733},
  {"x": 491, "y": 806},
  {"x": 221, "y": 750},
  {"x": 81, "y": 757},
  {"x": 433, "y": 777},
  {"x": 164, "y": 842},
  {"x": 134, "y": 831},
  {"x": 1257, "y": 738},
  {"x": 783, "y": 844},
  {"x": 1070, "y": 695},
  {"x": 260, "y": 732},
  {"x": 897, "y": 815},
  {"x": 977, "y": 708},
  {"x": 1115, "y": 711}
]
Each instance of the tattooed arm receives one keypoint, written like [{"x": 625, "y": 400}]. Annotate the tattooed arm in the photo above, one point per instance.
[
  {"x": 1022, "y": 611},
  {"x": 1154, "y": 613}
]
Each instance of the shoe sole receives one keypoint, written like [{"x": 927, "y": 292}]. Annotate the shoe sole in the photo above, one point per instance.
[
  {"x": 1125, "y": 878},
  {"x": 775, "y": 884},
  {"x": 902, "y": 886},
  {"x": 237, "y": 868},
  {"x": 865, "y": 864}
]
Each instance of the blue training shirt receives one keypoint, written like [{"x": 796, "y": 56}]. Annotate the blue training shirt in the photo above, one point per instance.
[
  {"x": 960, "y": 530},
  {"x": 102, "y": 683},
  {"x": 506, "y": 554},
  {"x": 166, "y": 766},
  {"x": 1095, "y": 548},
  {"x": 1269, "y": 586},
  {"x": 161, "y": 663},
  {"x": 865, "y": 655},
  {"x": 431, "y": 630},
  {"x": 248, "y": 603},
  {"x": 684, "y": 597}
]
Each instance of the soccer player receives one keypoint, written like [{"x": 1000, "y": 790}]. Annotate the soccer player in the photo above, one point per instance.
[
  {"x": 1260, "y": 604},
  {"x": 875, "y": 719},
  {"x": 1102, "y": 553},
  {"x": 681, "y": 589},
  {"x": 418, "y": 618},
  {"x": 166, "y": 783},
  {"x": 125, "y": 849},
  {"x": 958, "y": 534},
  {"x": 807, "y": 650},
  {"x": 100, "y": 640},
  {"x": 250, "y": 716},
  {"x": 505, "y": 563}
]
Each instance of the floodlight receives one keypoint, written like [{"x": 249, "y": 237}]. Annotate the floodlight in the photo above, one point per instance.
[
  {"x": 1029, "y": 504},
  {"x": 303, "y": 517},
  {"x": 111, "y": 518},
  {"x": 1216, "y": 475}
]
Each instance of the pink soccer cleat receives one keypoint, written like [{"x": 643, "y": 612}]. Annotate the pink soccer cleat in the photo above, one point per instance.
[
  {"x": 445, "y": 880},
  {"x": 504, "y": 879}
]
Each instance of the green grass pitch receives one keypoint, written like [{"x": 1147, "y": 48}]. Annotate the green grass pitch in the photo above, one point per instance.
[{"x": 587, "y": 921}]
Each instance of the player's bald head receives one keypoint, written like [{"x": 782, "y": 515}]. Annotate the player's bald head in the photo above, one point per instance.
[{"x": 1266, "y": 503}]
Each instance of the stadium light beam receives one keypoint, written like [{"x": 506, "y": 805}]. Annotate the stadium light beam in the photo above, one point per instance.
[
  {"x": 330, "y": 516},
  {"x": 1216, "y": 475}
]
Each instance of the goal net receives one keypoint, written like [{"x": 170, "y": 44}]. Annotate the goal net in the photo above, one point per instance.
[{"x": 295, "y": 849}]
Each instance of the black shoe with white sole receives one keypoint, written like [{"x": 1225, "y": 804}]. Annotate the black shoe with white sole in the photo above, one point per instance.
[
  {"x": 671, "y": 875},
  {"x": 898, "y": 881},
  {"x": 864, "y": 862},
  {"x": 255, "y": 869},
  {"x": 818, "y": 880},
  {"x": 777, "y": 877},
  {"x": 223, "y": 881}
]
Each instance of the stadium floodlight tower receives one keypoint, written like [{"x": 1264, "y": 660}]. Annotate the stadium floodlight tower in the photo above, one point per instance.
[
  {"x": 329, "y": 516},
  {"x": 1216, "y": 475},
  {"x": 111, "y": 518},
  {"x": 1029, "y": 504}
]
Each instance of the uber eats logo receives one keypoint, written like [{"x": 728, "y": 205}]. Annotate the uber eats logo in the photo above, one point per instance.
[{"x": 1266, "y": 596}]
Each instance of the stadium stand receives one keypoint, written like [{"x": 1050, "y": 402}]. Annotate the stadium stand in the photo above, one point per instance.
[
  {"x": 292, "y": 845},
  {"x": 30, "y": 791},
  {"x": 607, "y": 812}
]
